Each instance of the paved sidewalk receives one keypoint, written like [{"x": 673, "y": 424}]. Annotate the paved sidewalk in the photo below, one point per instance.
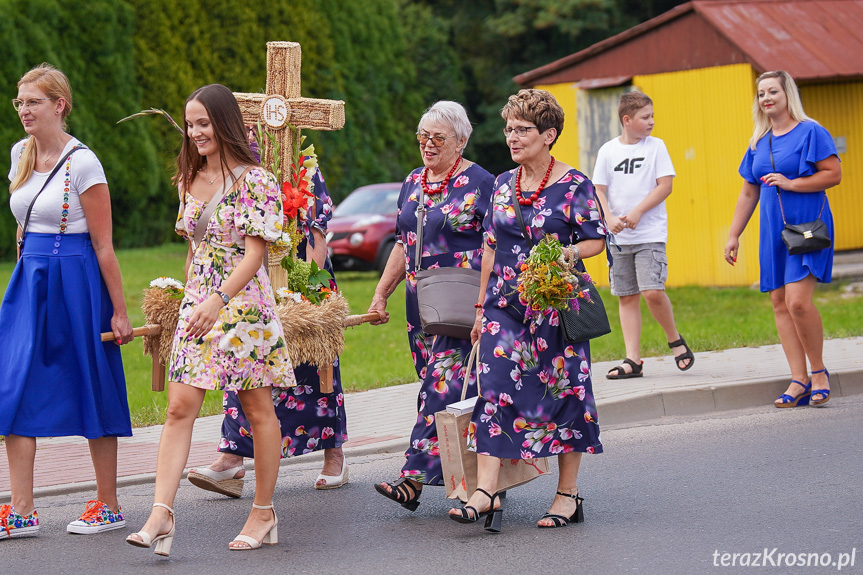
[{"x": 381, "y": 420}]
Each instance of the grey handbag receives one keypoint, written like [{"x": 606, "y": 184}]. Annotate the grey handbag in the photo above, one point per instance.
[{"x": 446, "y": 296}]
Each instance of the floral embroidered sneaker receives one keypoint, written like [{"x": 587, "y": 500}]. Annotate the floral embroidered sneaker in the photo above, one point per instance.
[
  {"x": 97, "y": 518},
  {"x": 13, "y": 524}
]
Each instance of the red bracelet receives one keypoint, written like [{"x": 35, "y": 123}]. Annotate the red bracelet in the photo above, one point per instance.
[{"x": 477, "y": 305}]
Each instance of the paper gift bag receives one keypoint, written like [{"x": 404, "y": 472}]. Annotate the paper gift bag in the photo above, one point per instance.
[{"x": 459, "y": 464}]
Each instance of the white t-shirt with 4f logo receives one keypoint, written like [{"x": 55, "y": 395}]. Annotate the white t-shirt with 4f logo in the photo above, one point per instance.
[{"x": 629, "y": 173}]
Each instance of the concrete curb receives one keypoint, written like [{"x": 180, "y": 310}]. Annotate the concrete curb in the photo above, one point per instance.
[{"x": 707, "y": 399}]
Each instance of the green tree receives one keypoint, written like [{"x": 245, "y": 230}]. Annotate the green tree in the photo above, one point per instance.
[{"x": 103, "y": 86}]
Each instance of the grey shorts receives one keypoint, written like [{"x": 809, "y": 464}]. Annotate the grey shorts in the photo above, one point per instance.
[{"x": 638, "y": 268}]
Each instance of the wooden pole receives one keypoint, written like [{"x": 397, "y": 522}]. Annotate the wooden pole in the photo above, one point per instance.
[
  {"x": 149, "y": 329},
  {"x": 158, "y": 379}
]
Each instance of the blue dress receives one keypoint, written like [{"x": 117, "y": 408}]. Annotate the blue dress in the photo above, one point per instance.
[
  {"x": 452, "y": 237},
  {"x": 309, "y": 420},
  {"x": 536, "y": 391},
  {"x": 795, "y": 155}
]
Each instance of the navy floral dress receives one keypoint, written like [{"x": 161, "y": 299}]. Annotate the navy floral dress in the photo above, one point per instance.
[
  {"x": 536, "y": 393},
  {"x": 452, "y": 237},
  {"x": 310, "y": 420}
]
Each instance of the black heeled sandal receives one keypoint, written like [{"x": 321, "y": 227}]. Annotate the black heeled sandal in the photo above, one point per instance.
[
  {"x": 403, "y": 492},
  {"x": 561, "y": 520},
  {"x": 494, "y": 517}
]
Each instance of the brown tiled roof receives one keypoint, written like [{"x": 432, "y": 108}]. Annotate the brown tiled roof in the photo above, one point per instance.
[{"x": 811, "y": 39}]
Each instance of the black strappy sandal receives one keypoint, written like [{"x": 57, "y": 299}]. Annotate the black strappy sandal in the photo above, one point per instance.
[
  {"x": 685, "y": 355},
  {"x": 494, "y": 517},
  {"x": 403, "y": 492},
  {"x": 621, "y": 372},
  {"x": 562, "y": 521}
]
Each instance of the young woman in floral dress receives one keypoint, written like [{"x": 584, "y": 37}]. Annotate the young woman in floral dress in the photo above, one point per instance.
[
  {"x": 456, "y": 197},
  {"x": 310, "y": 420},
  {"x": 228, "y": 336}
]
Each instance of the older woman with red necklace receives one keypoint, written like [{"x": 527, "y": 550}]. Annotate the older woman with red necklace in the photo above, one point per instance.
[
  {"x": 537, "y": 398},
  {"x": 456, "y": 193}
]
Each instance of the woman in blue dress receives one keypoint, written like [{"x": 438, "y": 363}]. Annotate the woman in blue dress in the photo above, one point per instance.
[
  {"x": 790, "y": 163},
  {"x": 457, "y": 192},
  {"x": 58, "y": 378},
  {"x": 536, "y": 392},
  {"x": 310, "y": 419}
]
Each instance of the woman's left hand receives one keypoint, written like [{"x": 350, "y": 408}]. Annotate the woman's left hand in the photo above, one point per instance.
[
  {"x": 778, "y": 180},
  {"x": 476, "y": 331},
  {"x": 204, "y": 316},
  {"x": 122, "y": 329}
]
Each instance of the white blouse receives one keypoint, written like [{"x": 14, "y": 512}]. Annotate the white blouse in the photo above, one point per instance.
[{"x": 85, "y": 171}]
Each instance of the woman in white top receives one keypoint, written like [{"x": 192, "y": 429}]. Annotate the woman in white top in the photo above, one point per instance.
[{"x": 57, "y": 378}]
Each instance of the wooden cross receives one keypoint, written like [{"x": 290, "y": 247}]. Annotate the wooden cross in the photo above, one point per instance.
[{"x": 282, "y": 104}]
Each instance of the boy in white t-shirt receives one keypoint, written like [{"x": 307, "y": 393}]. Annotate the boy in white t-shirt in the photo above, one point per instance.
[{"x": 632, "y": 178}]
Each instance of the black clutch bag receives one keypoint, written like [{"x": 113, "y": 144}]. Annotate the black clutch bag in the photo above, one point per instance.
[{"x": 808, "y": 237}]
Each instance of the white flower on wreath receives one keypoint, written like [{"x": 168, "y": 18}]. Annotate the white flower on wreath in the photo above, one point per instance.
[
  {"x": 166, "y": 283},
  {"x": 284, "y": 294},
  {"x": 233, "y": 343}
]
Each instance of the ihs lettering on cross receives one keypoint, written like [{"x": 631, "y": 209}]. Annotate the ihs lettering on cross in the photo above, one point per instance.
[{"x": 282, "y": 103}]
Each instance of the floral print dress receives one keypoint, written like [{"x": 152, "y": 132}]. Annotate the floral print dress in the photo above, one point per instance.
[
  {"x": 245, "y": 349},
  {"x": 536, "y": 392},
  {"x": 452, "y": 237},
  {"x": 309, "y": 419}
]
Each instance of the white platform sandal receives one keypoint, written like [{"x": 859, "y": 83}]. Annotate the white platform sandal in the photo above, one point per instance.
[
  {"x": 223, "y": 482},
  {"x": 163, "y": 542},
  {"x": 333, "y": 481},
  {"x": 271, "y": 538}
]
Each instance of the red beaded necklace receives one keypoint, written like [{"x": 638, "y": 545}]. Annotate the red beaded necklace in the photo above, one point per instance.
[
  {"x": 534, "y": 196},
  {"x": 424, "y": 178}
]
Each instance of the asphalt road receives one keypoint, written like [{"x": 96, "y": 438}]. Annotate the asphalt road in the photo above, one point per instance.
[{"x": 665, "y": 498}]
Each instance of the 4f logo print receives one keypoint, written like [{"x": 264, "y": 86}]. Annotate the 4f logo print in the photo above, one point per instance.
[{"x": 628, "y": 166}]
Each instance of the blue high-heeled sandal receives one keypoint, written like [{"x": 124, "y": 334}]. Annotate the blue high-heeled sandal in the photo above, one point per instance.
[
  {"x": 786, "y": 400},
  {"x": 824, "y": 393}
]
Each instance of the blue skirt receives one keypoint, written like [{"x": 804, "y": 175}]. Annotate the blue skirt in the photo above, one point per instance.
[{"x": 56, "y": 377}]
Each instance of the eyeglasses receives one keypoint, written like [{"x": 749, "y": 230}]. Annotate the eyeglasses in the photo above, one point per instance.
[
  {"x": 520, "y": 131},
  {"x": 437, "y": 141},
  {"x": 30, "y": 103}
]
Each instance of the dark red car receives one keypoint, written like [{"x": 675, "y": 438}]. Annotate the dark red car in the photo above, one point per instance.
[{"x": 361, "y": 233}]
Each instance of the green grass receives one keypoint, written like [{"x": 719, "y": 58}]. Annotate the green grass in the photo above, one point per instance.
[{"x": 378, "y": 356}]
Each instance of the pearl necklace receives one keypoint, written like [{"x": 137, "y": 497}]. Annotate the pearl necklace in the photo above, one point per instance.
[
  {"x": 534, "y": 196},
  {"x": 424, "y": 178}
]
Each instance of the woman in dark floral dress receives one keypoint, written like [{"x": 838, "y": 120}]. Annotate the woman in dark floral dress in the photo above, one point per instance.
[
  {"x": 536, "y": 393},
  {"x": 457, "y": 192},
  {"x": 309, "y": 419}
]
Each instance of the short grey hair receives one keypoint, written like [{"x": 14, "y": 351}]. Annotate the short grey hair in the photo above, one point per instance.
[{"x": 451, "y": 114}]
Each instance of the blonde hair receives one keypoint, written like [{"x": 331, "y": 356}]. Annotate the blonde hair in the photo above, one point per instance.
[
  {"x": 536, "y": 106},
  {"x": 792, "y": 96},
  {"x": 55, "y": 84}
]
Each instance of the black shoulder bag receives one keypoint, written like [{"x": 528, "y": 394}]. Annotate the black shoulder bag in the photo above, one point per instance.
[
  {"x": 590, "y": 320},
  {"x": 802, "y": 238},
  {"x": 45, "y": 185}
]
